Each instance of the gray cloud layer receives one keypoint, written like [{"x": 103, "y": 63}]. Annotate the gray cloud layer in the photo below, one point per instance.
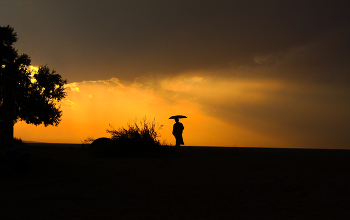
[{"x": 129, "y": 39}]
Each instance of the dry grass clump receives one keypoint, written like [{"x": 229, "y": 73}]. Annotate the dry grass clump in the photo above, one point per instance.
[
  {"x": 143, "y": 135},
  {"x": 139, "y": 137}
]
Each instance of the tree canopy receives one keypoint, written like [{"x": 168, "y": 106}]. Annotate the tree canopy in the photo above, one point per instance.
[{"x": 33, "y": 95}]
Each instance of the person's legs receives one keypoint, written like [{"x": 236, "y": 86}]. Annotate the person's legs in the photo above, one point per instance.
[
  {"x": 177, "y": 145},
  {"x": 179, "y": 141}
]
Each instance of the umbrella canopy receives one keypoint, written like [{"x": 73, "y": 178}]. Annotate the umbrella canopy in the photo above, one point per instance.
[{"x": 177, "y": 116}]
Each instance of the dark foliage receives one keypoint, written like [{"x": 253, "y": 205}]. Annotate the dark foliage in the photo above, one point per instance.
[
  {"x": 104, "y": 147},
  {"x": 18, "y": 141},
  {"x": 135, "y": 135},
  {"x": 35, "y": 96},
  {"x": 135, "y": 139}
]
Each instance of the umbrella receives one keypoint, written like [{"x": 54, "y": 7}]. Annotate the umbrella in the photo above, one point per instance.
[{"x": 177, "y": 116}]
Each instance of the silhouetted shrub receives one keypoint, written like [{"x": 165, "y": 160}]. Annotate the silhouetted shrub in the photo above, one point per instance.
[
  {"x": 17, "y": 141},
  {"x": 103, "y": 147},
  {"x": 136, "y": 139},
  {"x": 88, "y": 141},
  {"x": 136, "y": 136}
]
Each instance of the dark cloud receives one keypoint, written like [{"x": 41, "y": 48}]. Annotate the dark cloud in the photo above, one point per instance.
[
  {"x": 129, "y": 39},
  {"x": 298, "y": 115}
]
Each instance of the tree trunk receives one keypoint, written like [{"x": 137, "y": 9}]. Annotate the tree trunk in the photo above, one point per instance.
[{"x": 8, "y": 107}]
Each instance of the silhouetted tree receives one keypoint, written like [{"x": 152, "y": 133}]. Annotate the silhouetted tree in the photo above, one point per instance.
[{"x": 26, "y": 96}]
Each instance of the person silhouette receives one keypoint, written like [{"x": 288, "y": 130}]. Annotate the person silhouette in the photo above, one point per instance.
[{"x": 177, "y": 132}]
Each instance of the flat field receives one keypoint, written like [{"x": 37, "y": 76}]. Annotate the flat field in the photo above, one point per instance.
[{"x": 196, "y": 183}]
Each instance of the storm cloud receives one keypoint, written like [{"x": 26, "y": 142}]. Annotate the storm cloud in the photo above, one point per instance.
[{"x": 129, "y": 39}]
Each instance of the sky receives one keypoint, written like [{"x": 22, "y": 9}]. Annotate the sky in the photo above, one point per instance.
[{"x": 246, "y": 73}]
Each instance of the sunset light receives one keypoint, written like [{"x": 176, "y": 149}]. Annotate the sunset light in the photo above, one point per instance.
[
  {"x": 220, "y": 112},
  {"x": 174, "y": 109},
  {"x": 91, "y": 106},
  {"x": 244, "y": 73}
]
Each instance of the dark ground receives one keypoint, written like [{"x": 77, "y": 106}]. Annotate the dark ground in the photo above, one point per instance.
[{"x": 196, "y": 183}]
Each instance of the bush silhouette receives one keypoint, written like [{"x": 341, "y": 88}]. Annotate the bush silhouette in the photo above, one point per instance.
[
  {"x": 103, "y": 147},
  {"x": 17, "y": 141},
  {"x": 137, "y": 136}
]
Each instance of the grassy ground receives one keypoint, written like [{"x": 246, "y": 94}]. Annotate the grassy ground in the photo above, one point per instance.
[{"x": 196, "y": 183}]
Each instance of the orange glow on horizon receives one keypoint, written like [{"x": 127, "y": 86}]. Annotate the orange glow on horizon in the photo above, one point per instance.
[
  {"x": 226, "y": 112},
  {"x": 90, "y": 107}
]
